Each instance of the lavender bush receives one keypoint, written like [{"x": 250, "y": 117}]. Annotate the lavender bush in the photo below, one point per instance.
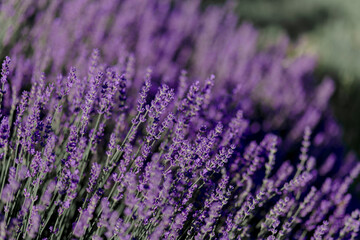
[{"x": 121, "y": 142}]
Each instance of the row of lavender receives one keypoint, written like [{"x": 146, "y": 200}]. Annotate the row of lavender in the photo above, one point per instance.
[
  {"x": 101, "y": 153},
  {"x": 169, "y": 169},
  {"x": 171, "y": 36}
]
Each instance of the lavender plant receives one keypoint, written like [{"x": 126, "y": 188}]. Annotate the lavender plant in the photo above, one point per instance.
[{"x": 101, "y": 145}]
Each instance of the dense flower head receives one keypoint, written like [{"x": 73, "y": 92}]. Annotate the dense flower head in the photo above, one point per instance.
[{"x": 103, "y": 135}]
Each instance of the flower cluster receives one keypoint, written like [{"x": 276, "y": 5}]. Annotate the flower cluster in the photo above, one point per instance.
[{"x": 121, "y": 143}]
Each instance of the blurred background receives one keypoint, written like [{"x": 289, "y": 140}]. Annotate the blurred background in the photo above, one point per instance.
[{"x": 329, "y": 29}]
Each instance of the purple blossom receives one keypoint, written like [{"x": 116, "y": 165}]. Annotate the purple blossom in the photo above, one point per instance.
[
  {"x": 5, "y": 71},
  {"x": 4, "y": 132},
  {"x": 95, "y": 172}
]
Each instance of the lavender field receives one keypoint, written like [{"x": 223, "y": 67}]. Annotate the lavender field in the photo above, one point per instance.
[{"x": 163, "y": 119}]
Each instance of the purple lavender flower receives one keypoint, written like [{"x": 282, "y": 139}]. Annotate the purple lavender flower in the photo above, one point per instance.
[
  {"x": 95, "y": 172},
  {"x": 5, "y": 71},
  {"x": 4, "y": 132}
]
